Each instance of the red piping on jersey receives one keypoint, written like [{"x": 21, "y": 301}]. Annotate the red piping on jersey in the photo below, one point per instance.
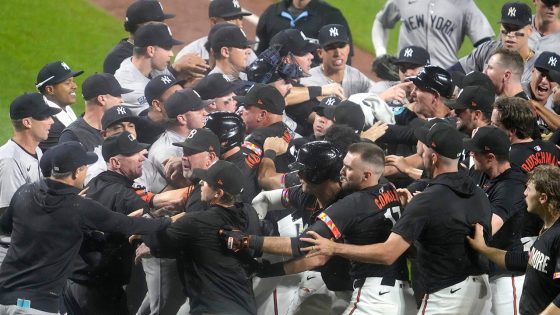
[
  {"x": 275, "y": 303},
  {"x": 425, "y": 304},
  {"x": 357, "y": 300},
  {"x": 514, "y": 295}
]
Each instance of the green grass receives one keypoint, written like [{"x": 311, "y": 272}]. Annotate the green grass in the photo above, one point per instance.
[
  {"x": 360, "y": 15},
  {"x": 35, "y": 32}
]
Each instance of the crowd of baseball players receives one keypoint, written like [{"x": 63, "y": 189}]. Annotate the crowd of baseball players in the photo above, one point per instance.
[{"x": 269, "y": 176}]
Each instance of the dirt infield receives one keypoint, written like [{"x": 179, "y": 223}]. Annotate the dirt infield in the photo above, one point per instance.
[{"x": 191, "y": 21}]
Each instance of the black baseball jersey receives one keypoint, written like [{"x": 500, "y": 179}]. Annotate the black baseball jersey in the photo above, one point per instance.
[
  {"x": 526, "y": 156},
  {"x": 437, "y": 221},
  {"x": 365, "y": 217},
  {"x": 255, "y": 142},
  {"x": 542, "y": 279},
  {"x": 81, "y": 131},
  {"x": 507, "y": 200},
  {"x": 194, "y": 204},
  {"x": 300, "y": 114},
  {"x": 250, "y": 184}
]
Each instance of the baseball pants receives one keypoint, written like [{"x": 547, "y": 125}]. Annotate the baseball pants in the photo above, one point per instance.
[
  {"x": 165, "y": 291},
  {"x": 16, "y": 310},
  {"x": 376, "y": 295},
  {"x": 98, "y": 300},
  {"x": 506, "y": 292},
  {"x": 466, "y": 297}
]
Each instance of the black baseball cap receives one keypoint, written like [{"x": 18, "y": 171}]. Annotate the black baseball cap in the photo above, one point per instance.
[
  {"x": 516, "y": 13},
  {"x": 225, "y": 9},
  {"x": 67, "y": 157},
  {"x": 547, "y": 61},
  {"x": 550, "y": 3},
  {"x": 31, "y": 105},
  {"x": 102, "y": 84},
  {"x": 229, "y": 37},
  {"x": 200, "y": 140},
  {"x": 333, "y": 33},
  {"x": 488, "y": 139},
  {"x": 293, "y": 41},
  {"x": 222, "y": 174},
  {"x": 473, "y": 78},
  {"x": 213, "y": 31},
  {"x": 158, "y": 85},
  {"x": 180, "y": 102},
  {"x": 118, "y": 114},
  {"x": 441, "y": 137},
  {"x": 155, "y": 34},
  {"x": 326, "y": 102},
  {"x": 434, "y": 79},
  {"x": 474, "y": 98},
  {"x": 122, "y": 143},
  {"x": 414, "y": 55},
  {"x": 146, "y": 11},
  {"x": 54, "y": 73},
  {"x": 346, "y": 113},
  {"x": 554, "y": 75},
  {"x": 263, "y": 96},
  {"x": 216, "y": 85}
]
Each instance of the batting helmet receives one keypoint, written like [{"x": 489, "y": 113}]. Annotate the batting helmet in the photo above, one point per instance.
[
  {"x": 318, "y": 161},
  {"x": 229, "y": 128},
  {"x": 434, "y": 79}
]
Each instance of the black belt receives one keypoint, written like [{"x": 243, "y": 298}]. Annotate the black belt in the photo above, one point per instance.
[{"x": 358, "y": 283}]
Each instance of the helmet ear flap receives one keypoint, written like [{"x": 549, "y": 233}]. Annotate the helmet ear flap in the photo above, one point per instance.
[{"x": 229, "y": 128}]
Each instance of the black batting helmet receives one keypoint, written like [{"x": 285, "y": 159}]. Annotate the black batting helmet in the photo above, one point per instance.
[
  {"x": 318, "y": 161},
  {"x": 434, "y": 79},
  {"x": 229, "y": 128}
]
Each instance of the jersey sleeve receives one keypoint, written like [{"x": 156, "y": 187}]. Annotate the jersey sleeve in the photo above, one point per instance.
[
  {"x": 338, "y": 216},
  {"x": 501, "y": 202},
  {"x": 414, "y": 219},
  {"x": 389, "y": 15},
  {"x": 476, "y": 60},
  {"x": 477, "y": 25},
  {"x": 12, "y": 178}
]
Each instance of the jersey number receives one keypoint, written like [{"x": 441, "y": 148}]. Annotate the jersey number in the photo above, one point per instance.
[{"x": 393, "y": 214}]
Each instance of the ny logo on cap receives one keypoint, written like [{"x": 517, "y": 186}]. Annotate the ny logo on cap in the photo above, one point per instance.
[
  {"x": 121, "y": 110},
  {"x": 235, "y": 3},
  {"x": 333, "y": 32},
  {"x": 330, "y": 101},
  {"x": 191, "y": 134},
  {"x": 552, "y": 61},
  {"x": 408, "y": 52},
  {"x": 511, "y": 12},
  {"x": 165, "y": 79},
  {"x": 64, "y": 65},
  {"x": 131, "y": 137}
]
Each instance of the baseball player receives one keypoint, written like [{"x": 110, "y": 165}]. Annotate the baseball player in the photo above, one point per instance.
[
  {"x": 438, "y": 219},
  {"x": 546, "y": 26},
  {"x": 541, "y": 292},
  {"x": 437, "y": 26}
]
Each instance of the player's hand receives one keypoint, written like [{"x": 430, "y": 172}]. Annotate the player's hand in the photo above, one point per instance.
[
  {"x": 173, "y": 168},
  {"x": 321, "y": 245},
  {"x": 191, "y": 64},
  {"x": 260, "y": 204},
  {"x": 235, "y": 239},
  {"x": 397, "y": 161},
  {"x": 279, "y": 145},
  {"x": 134, "y": 239},
  {"x": 404, "y": 196},
  {"x": 376, "y": 131},
  {"x": 83, "y": 192},
  {"x": 171, "y": 199},
  {"x": 477, "y": 241},
  {"x": 396, "y": 93},
  {"x": 142, "y": 251},
  {"x": 177, "y": 217},
  {"x": 136, "y": 213},
  {"x": 333, "y": 89}
]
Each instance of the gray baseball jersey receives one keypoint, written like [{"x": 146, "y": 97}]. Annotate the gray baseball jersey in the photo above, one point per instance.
[
  {"x": 538, "y": 42},
  {"x": 162, "y": 149},
  {"x": 354, "y": 81},
  {"x": 17, "y": 167},
  {"x": 437, "y": 25},
  {"x": 478, "y": 58},
  {"x": 197, "y": 47}
]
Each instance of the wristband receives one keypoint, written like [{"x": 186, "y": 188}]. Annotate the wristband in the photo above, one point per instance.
[
  {"x": 256, "y": 242},
  {"x": 271, "y": 154},
  {"x": 314, "y": 91}
]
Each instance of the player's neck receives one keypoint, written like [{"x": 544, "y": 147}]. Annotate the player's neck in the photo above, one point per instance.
[
  {"x": 526, "y": 53},
  {"x": 143, "y": 65},
  {"x": 548, "y": 218},
  {"x": 328, "y": 193},
  {"x": 334, "y": 74},
  {"x": 93, "y": 116},
  {"x": 546, "y": 27},
  {"x": 227, "y": 68},
  {"x": 497, "y": 170},
  {"x": 512, "y": 89},
  {"x": 26, "y": 141}
]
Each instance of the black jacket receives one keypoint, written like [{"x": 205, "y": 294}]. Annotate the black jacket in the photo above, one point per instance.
[{"x": 46, "y": 220}]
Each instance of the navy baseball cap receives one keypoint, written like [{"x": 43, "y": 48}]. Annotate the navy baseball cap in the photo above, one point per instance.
[
  {"x": 488, "y": 139},
  {"x": 554, "y": 75},
  {"x": 550, "y": 3},
  {"x": 102, "y": 84},
  {"x": 222, "y": 174},
  {"x": 146, "y": 11},
  {"x": 225, "y": 9},
  {"x": 293, "y": 41},
  {"x": 117, "y": 114},
  {"x": 31, "y": 105},
  {"x": 547, "y": 61},
  {"x": 158, "y": 85},
  {"x": 216, "y": 85},
  {"x": 122, "y": 143},
  {"x": 516, "y": 13},
  {"x": 333, "y": 33},
  {"x": 441, "y": 137},
  {"x": 155, "y": 34},
  {"x": 68, "y": 156},
  {"x": 346, "y": 113},
  {"x": 54, "y": 73},
  {"x": 229, "y": 37},
  {"x": 326, "y": 102},
  {"x": 200, "y": 140},
  {"x": 182, "y": 101},
  {"x": 265, "y": 97},
  {"x": 414, "y": 55},
  {"x": 474, "y": 98}
]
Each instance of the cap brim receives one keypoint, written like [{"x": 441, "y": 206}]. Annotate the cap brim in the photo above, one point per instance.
[
  {"x": 323, "y": 45},
  {"x": 187, "y": 147},
  {"x": 513, "y": 22},
  {"x": 51, "y": 111},
  {"x": 201, "y": 174},
  {"x": 420, "y": 84},
  {"x": 407, "y": 61},
  {"x": 132, "y": 119},
  {"x": 454, "y": 104},
  {"x": 124, "y": 91},
  {"x": 234, "y": 14},
  {"x": 139, "y": 147},
  {"x": 469, "y": 145},
  {"x": 328, "y": 112},
  {"x": 176, "y": 42},
  {"x": 64, "y": 78},
  {"x": 554, "y": 75},
  {"x": 168, "y": 16},
  {"x": 91, "y": 158},
  {"x": 308, "y": 48}
]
